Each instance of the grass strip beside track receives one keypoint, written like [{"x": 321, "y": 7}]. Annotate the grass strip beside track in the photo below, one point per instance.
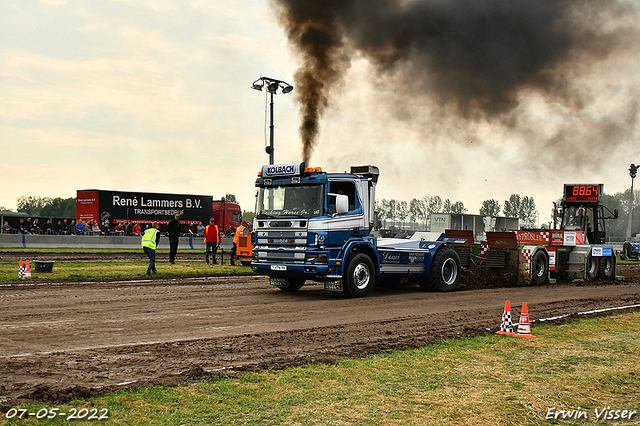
[
  {"x": 96, "y": 271},
  {"x": 578, "y": 367},
  {"x": 85, "y": 250}
]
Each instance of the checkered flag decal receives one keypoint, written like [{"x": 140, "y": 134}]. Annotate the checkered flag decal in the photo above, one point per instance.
[{"x": 507, "y": 324}]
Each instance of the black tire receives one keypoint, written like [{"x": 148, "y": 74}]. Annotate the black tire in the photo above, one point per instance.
[
  {"x": 445, "y": 271},
  {"x": 592, "y": 266},
  {"x": 295, "y": 284},
  {"x": 360, "y": 276},
  {"x": 607, "y": 269},
  {"x": 245, "y": 262},
  {"x": 539, "y": 268}
]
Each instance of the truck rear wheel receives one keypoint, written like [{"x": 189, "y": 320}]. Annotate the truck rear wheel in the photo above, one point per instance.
[
  {"x": 445, "y": 271},
  {"x": 607, "y": 270},
  {"x": 360, "y": 276},
  {"x": 593, "y": 264},
  {"x": 539, "y": 268}
]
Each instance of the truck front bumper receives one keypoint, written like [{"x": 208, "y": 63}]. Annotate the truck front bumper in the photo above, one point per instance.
[{"x": 308, "y": 271}]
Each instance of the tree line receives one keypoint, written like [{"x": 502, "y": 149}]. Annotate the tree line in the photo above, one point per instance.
[
  {"x": 38, "y": 206},
  {"x": 419, "y": 210},
  {"x": 621, "y": 201}
]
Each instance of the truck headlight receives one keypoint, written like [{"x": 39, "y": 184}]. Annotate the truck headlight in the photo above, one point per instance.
[{"x": 315, "y": 257}]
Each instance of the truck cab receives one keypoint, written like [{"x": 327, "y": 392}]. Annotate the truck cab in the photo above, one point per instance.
[{"x": 312, "y": 225}]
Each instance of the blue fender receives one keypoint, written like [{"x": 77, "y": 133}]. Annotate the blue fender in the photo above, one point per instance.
[{"x": 366, "y": 245}]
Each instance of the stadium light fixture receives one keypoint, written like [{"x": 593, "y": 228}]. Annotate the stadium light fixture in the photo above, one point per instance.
[{"x": 273, "y": 87}]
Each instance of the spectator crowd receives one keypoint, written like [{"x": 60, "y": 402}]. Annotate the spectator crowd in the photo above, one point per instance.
[
  {"x": 41, "y": 226},
  {"x": 71, "y": 227}
]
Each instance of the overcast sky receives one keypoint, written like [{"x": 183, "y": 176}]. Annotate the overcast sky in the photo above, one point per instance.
[{"x": 156, "y": 96}]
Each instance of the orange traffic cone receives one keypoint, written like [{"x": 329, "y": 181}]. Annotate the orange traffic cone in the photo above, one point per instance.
[
  {"x": 28, "y": 272},
  {"x": 507, "y": 326},
  {"x": 21, "y": 271},
  {"x": 524, "y": 328}
]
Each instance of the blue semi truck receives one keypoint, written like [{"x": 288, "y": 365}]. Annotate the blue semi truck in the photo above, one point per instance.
[{"x": 316, "y": 226}]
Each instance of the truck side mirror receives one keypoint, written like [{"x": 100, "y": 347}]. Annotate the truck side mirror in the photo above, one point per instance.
[{"x": 342, "y": 203}]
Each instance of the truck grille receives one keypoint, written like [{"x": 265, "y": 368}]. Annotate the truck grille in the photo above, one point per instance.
[
  {"x": 278, "y": 245},
  {"x": 278, "y": 256},
  {"x": 282, "y": 238}
]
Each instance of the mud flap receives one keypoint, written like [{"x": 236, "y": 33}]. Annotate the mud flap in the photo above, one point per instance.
[
  {"x": 333, "y": 285},
  {"x": 280, "y": 282}
]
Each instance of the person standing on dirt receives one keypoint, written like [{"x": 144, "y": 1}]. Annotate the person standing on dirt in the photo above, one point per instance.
[
  {"x": 150, "y": 240},
  {"x": 211, "y": 235},
  {"x": 173, "y": 231},
  {"x": 236, "y": 239}
]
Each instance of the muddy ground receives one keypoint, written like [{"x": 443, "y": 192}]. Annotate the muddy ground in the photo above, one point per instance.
[{"x": 64, "y": 340}]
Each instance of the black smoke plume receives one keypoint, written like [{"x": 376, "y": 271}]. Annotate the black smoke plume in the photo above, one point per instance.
[{"x": 473, "y": 58}]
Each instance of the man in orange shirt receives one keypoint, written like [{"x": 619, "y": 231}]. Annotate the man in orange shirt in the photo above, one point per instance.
[{"x": 212, "y": 239}]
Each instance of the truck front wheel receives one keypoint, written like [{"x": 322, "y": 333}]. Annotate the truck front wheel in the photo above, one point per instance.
[
  {"x": 445, "y": 271},
  {"x": 360, "y": 276}
]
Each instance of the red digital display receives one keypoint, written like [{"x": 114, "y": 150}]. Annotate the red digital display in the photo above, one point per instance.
[{"x": 583, "y": 192}]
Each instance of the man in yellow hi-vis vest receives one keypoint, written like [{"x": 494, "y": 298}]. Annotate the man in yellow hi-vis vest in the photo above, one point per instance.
[{"x": 150, "y": 240}]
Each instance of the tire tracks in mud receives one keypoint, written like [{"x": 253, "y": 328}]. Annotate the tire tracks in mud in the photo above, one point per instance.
[{"x": 255, "y": 327}]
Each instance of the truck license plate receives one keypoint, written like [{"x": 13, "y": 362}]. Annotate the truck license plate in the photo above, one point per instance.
[
  {"x": 278, "y": 267},
  {"x": 278, "y": 282}
]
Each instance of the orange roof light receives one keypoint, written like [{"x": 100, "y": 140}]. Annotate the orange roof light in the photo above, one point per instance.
[{"x": 313, "y": 170}]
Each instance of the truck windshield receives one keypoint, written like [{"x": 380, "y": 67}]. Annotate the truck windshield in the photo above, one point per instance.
[{"x": 290, "y": 201}]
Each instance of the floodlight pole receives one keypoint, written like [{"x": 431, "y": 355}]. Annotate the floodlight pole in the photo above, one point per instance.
[
  {"x": 272, "y": 85},
  {"x": 271, "y": 147},
  {"x": 633, "y": 170}
]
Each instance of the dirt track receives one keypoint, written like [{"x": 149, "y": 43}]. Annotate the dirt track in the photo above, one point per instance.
[{"x": 65, "y": 340}]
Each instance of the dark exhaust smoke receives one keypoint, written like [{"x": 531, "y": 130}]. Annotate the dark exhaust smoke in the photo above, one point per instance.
[
  {"x": 314, "y": 28},
  {"x": 475, "y": 59}
]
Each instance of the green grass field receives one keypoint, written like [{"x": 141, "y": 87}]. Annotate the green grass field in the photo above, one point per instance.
[
  {"x": 96, "y": 271},
  {"x": 574, "y": 370}
]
